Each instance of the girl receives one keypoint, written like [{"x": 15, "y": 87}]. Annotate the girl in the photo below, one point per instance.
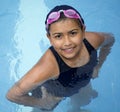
[{"x": 67, "y": 65}]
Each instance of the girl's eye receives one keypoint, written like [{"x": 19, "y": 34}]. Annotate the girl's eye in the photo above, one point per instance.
[
  {"x": 73, "y": 33},
  {"x": 58, "y": 36}
]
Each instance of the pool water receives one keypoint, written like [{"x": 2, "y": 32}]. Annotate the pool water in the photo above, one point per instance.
[{"x": 23, "y": 41}]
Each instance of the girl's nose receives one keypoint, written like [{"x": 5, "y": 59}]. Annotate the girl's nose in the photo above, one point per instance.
[{"x": 67, "y": 41}]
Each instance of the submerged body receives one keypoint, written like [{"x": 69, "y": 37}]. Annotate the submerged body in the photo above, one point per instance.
[
  {"x": 66, "y": 67},
  {"x": 70, "y": 79}
]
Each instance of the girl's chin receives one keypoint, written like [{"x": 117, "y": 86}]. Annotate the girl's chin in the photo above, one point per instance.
[{"x": 68, "y": 56}]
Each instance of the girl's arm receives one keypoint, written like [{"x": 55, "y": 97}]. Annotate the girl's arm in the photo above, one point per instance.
[
  {"x": 44, "y": 70},
  {"x": 103, "y": 42},
  {"x": 105, "y": 49}
]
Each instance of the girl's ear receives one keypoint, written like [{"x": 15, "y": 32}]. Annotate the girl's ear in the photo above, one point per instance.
[
  {"x": 83, "y": 30},
  {"x": 49, "y": 37}
]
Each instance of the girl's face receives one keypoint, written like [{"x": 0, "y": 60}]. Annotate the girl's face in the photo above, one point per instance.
[{"x": 66, "y": 37}]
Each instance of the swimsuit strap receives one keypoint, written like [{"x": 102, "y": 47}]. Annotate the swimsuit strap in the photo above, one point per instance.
[{"x": 89, "y": 47}]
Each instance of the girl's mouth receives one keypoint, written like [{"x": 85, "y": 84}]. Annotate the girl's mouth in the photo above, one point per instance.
[{"x": 68, "y": 50}]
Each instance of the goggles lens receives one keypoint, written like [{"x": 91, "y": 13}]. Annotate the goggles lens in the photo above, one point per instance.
[
  {"x": 53, "y": 17},
  {"x": 71, "y": 14}
]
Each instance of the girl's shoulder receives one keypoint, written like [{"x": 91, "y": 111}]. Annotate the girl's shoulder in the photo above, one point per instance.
[
  {"x": 49, "y": 63},
  {"x": 95, "y": 39}
]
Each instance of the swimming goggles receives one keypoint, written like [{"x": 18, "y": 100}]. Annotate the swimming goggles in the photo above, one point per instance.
[{"x": 70, "y": 13}]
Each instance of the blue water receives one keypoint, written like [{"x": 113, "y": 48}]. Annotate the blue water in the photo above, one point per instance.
[{"x": 23, "y": 41}]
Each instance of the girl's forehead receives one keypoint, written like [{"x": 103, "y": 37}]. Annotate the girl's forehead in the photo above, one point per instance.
[{"x": 65, "y": 23}]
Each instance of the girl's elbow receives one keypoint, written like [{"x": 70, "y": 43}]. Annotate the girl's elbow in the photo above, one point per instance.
[
  {"x": 10, "y": 96},
  {"x": 109, "y": 39},
  {"x": 14, "y": 94}
]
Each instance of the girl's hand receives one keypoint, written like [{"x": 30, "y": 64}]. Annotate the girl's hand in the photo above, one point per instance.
[
  {"x": 49, "y": 101},
  {"x": 95, "y": 72}
]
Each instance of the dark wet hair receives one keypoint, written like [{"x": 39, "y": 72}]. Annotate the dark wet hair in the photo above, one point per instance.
[{"x": 64, "y": 7}]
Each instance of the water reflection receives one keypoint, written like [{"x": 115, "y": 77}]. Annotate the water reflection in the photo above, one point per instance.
[
  {"x": 9, "y": 15},
  {"x": 85, "y": 96},
  {"x": 76, "y": 102}
]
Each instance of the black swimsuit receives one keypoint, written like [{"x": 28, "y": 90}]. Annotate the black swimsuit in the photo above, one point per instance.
[{"x": 70, "y": 79}]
